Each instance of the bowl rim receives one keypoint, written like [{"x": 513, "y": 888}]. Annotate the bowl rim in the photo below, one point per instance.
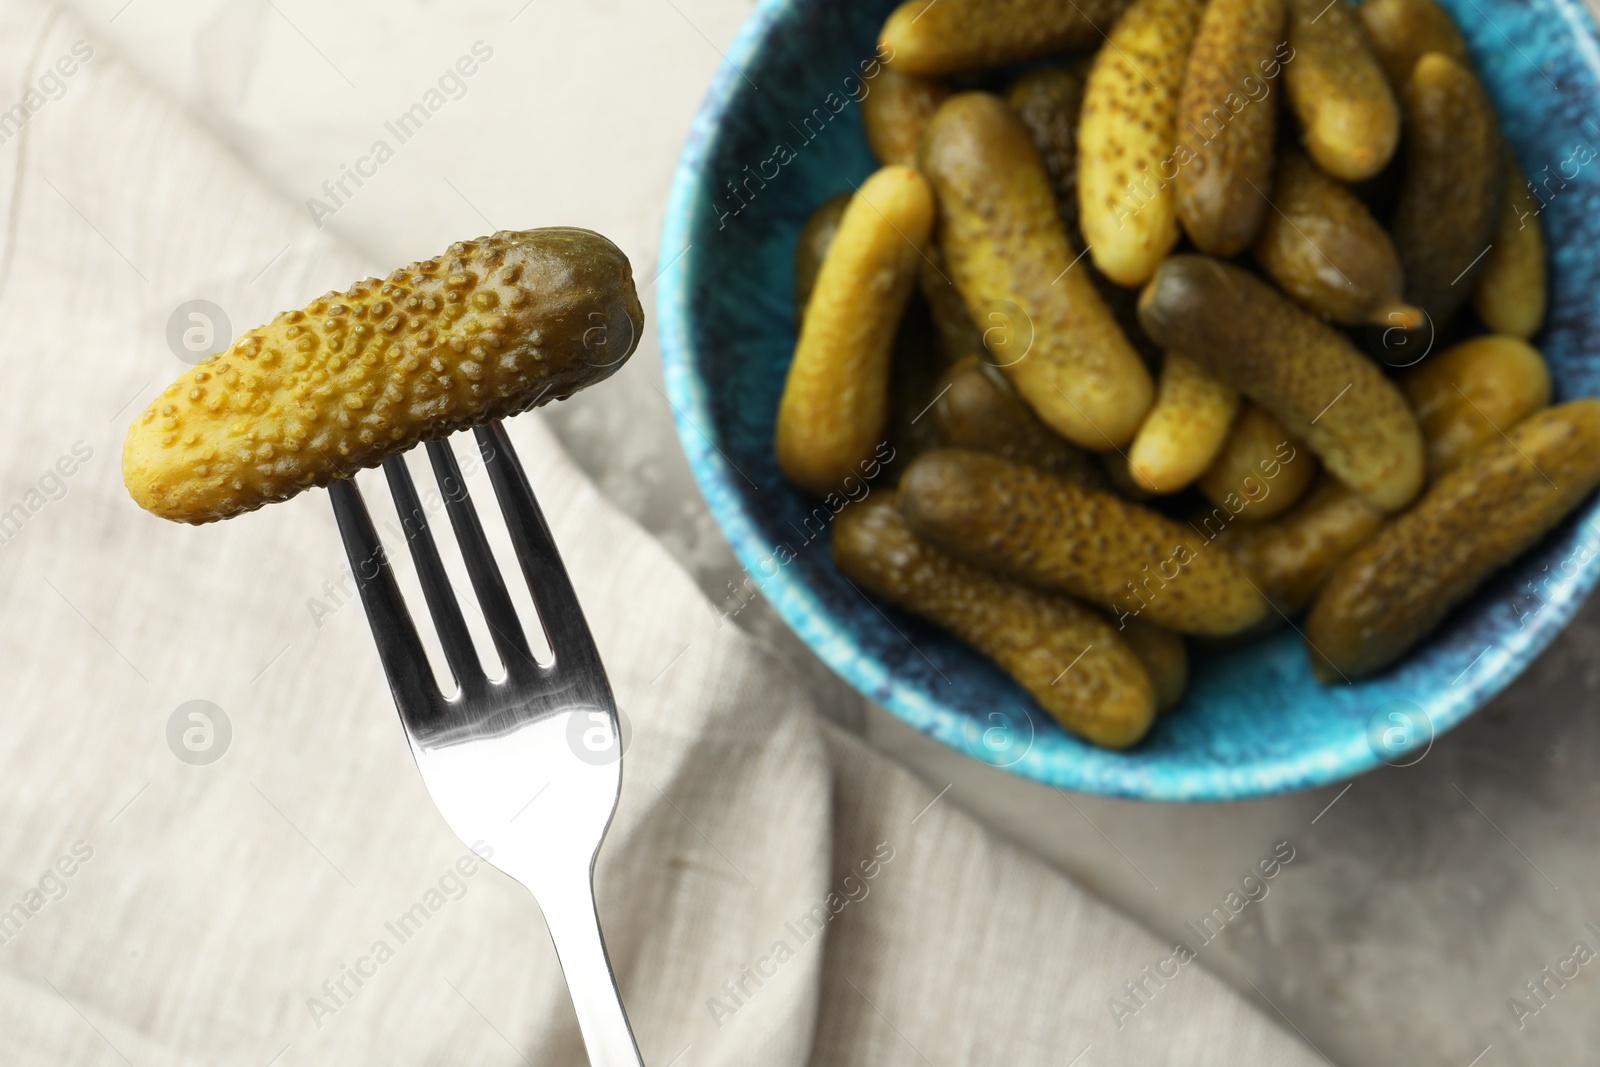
[{"x": 803, "y": 611}]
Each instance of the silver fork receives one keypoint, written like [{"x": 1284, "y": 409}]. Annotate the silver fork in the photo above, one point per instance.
[{"x": 548, "y": 732}]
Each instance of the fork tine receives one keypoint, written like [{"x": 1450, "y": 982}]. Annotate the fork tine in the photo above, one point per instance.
[
  {"x": 487, "y": 582},
  {"x": 399, "y": 648},
  {"x": 559, "y": 611},
  {"x": 451, "y": 625}
]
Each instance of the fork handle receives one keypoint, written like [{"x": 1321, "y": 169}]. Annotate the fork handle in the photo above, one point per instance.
[{"x": 569, "y": 912}]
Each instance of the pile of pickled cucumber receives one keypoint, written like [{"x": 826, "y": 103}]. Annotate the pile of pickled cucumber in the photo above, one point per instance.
[{"x": 1184, "y": 319}]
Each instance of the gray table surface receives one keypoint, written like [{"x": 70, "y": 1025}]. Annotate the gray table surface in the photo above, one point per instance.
[{"x": 1420, "y": 900}]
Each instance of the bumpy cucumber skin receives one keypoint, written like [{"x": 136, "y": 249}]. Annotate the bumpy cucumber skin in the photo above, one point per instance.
[
  {"x": 1107, "y": 698},
  {"x": 1393, "y": 591},
  {"x": 1306, "y": 374},
  {"x": 1222, "y": 192},
  {"x": 491, "y": 328},
  {"x": 952, "y": 36},
  {"x": 1339, "y": 91},
  {"x": 1450, "y": 195},
  {"x": 1054, "y": 534},
  {"x": 1130, "y": 117},
  {"x": 915, "y": 362},
  {"x": 1323, "y": 247},
  {"x": 1004, "y": 246},
  {"x": 834, "y": 411}
]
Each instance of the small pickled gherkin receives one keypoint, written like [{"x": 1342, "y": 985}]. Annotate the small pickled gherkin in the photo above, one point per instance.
[
  {"x": 1450, "y": 194},
  {"x": 1501, "y": 499},
  {"x": 834, "y": 411},
  {"x": 1185, "y": 430},
  {"x": 1303, "y": 372},
  {"x": 1010, "y": 257},
  {"x": 491, "y": 328},
  {"x": 1126, "y": 142},
  {"x": 1338, "y": 89},
  {"x": 1057, "y": 535},
  {"x": 1227, "y": 121},
  {"x": 951, "y": 36},
  {"x": 1323, "y": 247},
  {"x": 895, "y": 111},
  {"x": 1068, "y": 657},
  {"x": 1403, "y": 31}
]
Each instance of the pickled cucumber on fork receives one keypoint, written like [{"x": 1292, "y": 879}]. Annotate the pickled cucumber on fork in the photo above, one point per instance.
[
  {"x": 1073, "y": 662},
  {"x": 491, "y": 328}
]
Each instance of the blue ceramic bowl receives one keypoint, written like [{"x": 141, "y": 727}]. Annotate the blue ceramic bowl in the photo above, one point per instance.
[{"x": 780, "y": 132}]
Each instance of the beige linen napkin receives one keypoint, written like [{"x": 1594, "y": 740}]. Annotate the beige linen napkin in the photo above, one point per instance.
[{"x": 772, "y": 891}]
